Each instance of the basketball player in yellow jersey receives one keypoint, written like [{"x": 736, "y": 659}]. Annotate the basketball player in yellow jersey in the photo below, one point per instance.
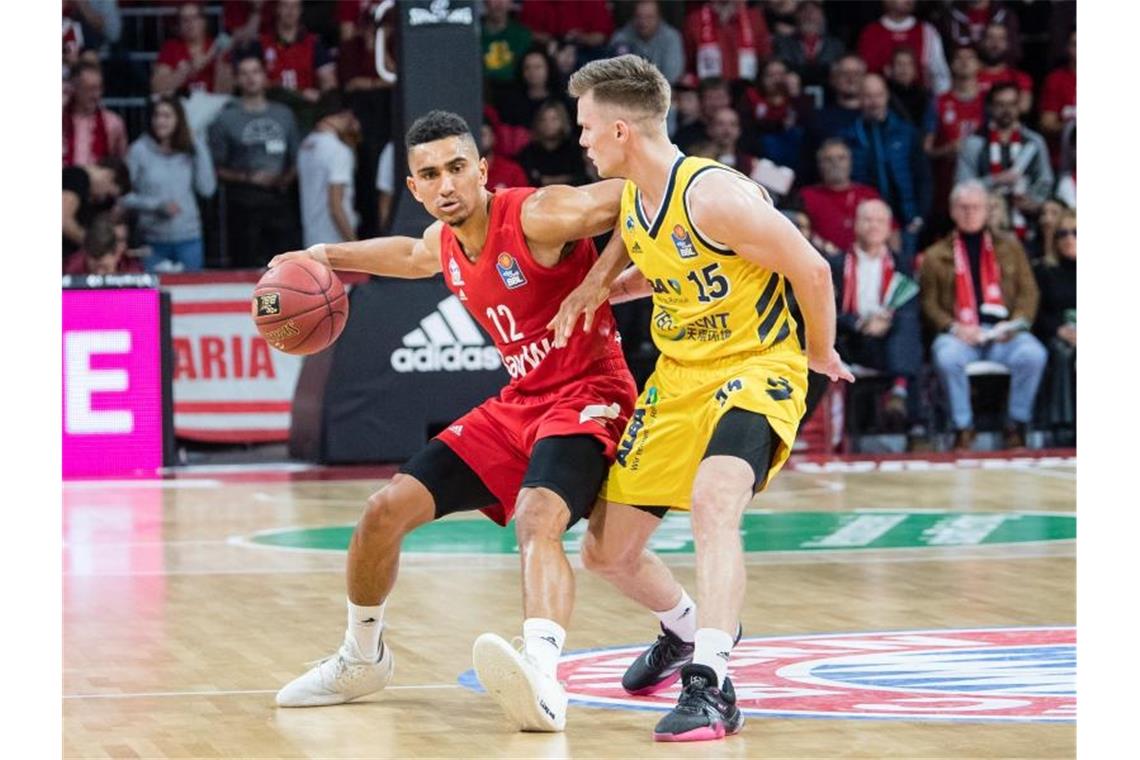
[{"x": 718, "y": 417}]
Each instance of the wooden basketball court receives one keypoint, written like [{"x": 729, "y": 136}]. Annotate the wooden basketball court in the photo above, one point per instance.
[{"x": 185, "y": 612}]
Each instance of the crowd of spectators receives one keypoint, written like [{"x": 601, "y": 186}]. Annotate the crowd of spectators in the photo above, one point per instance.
[{"x": 931, "y": 141}]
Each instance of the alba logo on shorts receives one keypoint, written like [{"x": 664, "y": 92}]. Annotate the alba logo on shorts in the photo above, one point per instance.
[{"x": 447, "y": 340}]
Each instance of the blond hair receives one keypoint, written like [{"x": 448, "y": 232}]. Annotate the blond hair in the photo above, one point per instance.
[{"x": 627, "y": 81}]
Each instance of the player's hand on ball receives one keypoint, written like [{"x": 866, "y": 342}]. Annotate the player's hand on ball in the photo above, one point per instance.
[
  {"x": 316, "y": 253},
  {"x": 583, "y": 301},
  {"x": 831, "y": 365}
]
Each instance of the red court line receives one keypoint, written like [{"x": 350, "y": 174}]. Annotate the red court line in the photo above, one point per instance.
[
  {"x": 231, "y": 407},
  {"x": 232, "y": 436},
  {"x": 211, "y": 307}
]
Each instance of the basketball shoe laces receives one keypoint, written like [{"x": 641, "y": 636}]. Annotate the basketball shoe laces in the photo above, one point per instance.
[
  {"x": 665, "y": 651},
  {"x": 698, "y": 697},
  {"x": 343, "y": 671}
]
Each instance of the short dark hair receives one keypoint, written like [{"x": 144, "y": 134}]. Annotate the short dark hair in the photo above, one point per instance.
[
  {"x": 100, "y": 238},
  {"x": 120, "y": 170},
  {"x": 246, "y": 53},
  {"x": 83, "y": 66},
  {"x": 1001, "y": 87},
  {"x": 436, "y": 125}
]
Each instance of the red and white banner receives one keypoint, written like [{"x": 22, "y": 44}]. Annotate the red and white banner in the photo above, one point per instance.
[{"x": 229, "y": 385}]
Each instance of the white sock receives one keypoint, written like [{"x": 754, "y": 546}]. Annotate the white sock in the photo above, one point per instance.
[
  {"x": 713, "y": 647},
  {"x": 681, "y": 619},
  {"x": 365, "y": 624},
  {"x": 542, "y": 642}
]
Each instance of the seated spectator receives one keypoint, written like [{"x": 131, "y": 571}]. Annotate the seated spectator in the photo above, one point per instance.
[
  {"x": 714, "y": 95},
  {"x": 169, "y": 169},
  {"x": 537, "y": 83},
  {"x": 326, "y": 167},
  {"x": 504, "y": 42},
  {"x": 354, "y": 18},
  {"x": 958, "y": 114},
  {"x": 502, "y": 171},
  {"x": 686, "y": 105},
  {"x": 295, "y": 59},
  {"x": 585, "y": 24},
  {"x": 810, "y": 51},
  {"x": 840, "y": 112},
  {"x": 246, "y": 20},
  {"x": 909, "y": 98},
  {"x": 191, "y": 61},
  {"x": 1008, "y": 158},
  {"x": 1057, "y": 323},
  {"x": 979, "y": 295},
  {"x": 254, "y": 146},
  {"x": 886, "y": 153},
  {"x": 553, "y": 156},
  {"x": 724, "y": 142},
  {"x": 726, "y": 39},
  {"x": 104, "y": 249},
  {"x": 832, "y": 204},
  {"x": 90, "y": 131},
  {"x": 870, "y": 331},
  {"x": 772, "y": 107},
  {"x": 651, "y": 38},
  {"x": 88, "y": 190},
  {"x": 897, "y": 27},
  {"x": 1039, "y": 241},
  {"x": 964, "y": 25},
  {"x": 996, "y": 68},
  {"x": 1059, "y": 98}
]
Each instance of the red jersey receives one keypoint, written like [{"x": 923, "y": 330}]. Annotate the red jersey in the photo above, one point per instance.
[
  {"x": 513, "y": 298},
  {"x": 987, "y": 78},
  {"x": 174, "y": 51},
  {"x": 293, "y": 65},
  {"x": 877, "y": 43},
  {"x": 503, "y": 172},
  {"x": 1059, "y": 94},
  {"x": 832, "y": 212},
  {"x": 958, "y": 118}
]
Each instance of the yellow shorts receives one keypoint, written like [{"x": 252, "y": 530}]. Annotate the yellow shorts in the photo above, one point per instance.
[{"x": 666, "y": 437}]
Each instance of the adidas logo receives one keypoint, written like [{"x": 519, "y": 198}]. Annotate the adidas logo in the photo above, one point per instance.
[
  {"x": 447, "y": 340},
  {"x": 636, "y": 247}
]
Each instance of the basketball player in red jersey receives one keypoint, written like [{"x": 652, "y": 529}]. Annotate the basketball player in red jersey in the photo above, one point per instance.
[{"x": 537, "y": 451}]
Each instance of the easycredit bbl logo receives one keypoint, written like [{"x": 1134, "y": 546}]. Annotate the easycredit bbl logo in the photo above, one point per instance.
[{"x": 447, "y": 340}]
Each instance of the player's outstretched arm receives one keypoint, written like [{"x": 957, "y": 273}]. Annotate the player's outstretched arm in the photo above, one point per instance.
[
  {"x": 737, "y": 213},
  {"x": 557, "y": 214},
  {"x": 584, "y": 300},
  {"x": 406, "y": 257}
]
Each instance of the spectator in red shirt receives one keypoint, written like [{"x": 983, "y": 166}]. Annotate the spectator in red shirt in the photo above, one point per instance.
[
  {"x": 996, "y": 68},
  {"x": 90, "y": 131},
  {"x": 959, "y": 114},
  {"x": 831, "y": 205},
  {"x": 104, "y": 250},
  {"x": 810, "y": 51},
  {"x": 354, "y": 17},
  {"x": 726, "y": 39},
  {"x": 964, "y": 24},
  {"x": 1059, "y": 98},
  {"x": 771, "y": 107},
  {"x": 584, "y": 23},
  {"x": 898, "y": 27},
  {"x": 501, "y": 171},
  {"x": 294, "y": 57},
  {"x": 190, "y": 61}
]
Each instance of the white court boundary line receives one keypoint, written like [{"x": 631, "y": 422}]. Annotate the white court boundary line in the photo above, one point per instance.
[{"x": 236, "y": 692}]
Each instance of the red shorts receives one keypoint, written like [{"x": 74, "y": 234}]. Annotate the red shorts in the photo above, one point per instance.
[{"x": 495, "y": 439}]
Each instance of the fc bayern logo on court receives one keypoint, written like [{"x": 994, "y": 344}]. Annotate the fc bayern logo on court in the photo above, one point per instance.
[{"x": 1003, "y": 674}]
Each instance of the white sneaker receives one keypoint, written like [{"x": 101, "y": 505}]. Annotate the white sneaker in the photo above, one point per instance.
[
  {"x": 340, "y": 678},
  {"x": 532, "y": 700}
]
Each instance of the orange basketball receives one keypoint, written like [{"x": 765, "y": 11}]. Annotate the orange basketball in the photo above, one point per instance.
[{"x": 300, "y": 307}]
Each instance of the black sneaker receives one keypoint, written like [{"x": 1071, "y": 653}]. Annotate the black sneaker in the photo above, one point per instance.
[
  {"x": 703, "y": 712},
  {"x": 659, "y": 666}
]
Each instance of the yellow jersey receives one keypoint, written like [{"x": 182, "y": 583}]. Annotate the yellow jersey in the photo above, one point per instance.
[{"x": 708, "y": 302}]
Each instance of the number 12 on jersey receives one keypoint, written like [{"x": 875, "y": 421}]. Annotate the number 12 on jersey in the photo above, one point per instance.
[{"x": 511, "y": 334}]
